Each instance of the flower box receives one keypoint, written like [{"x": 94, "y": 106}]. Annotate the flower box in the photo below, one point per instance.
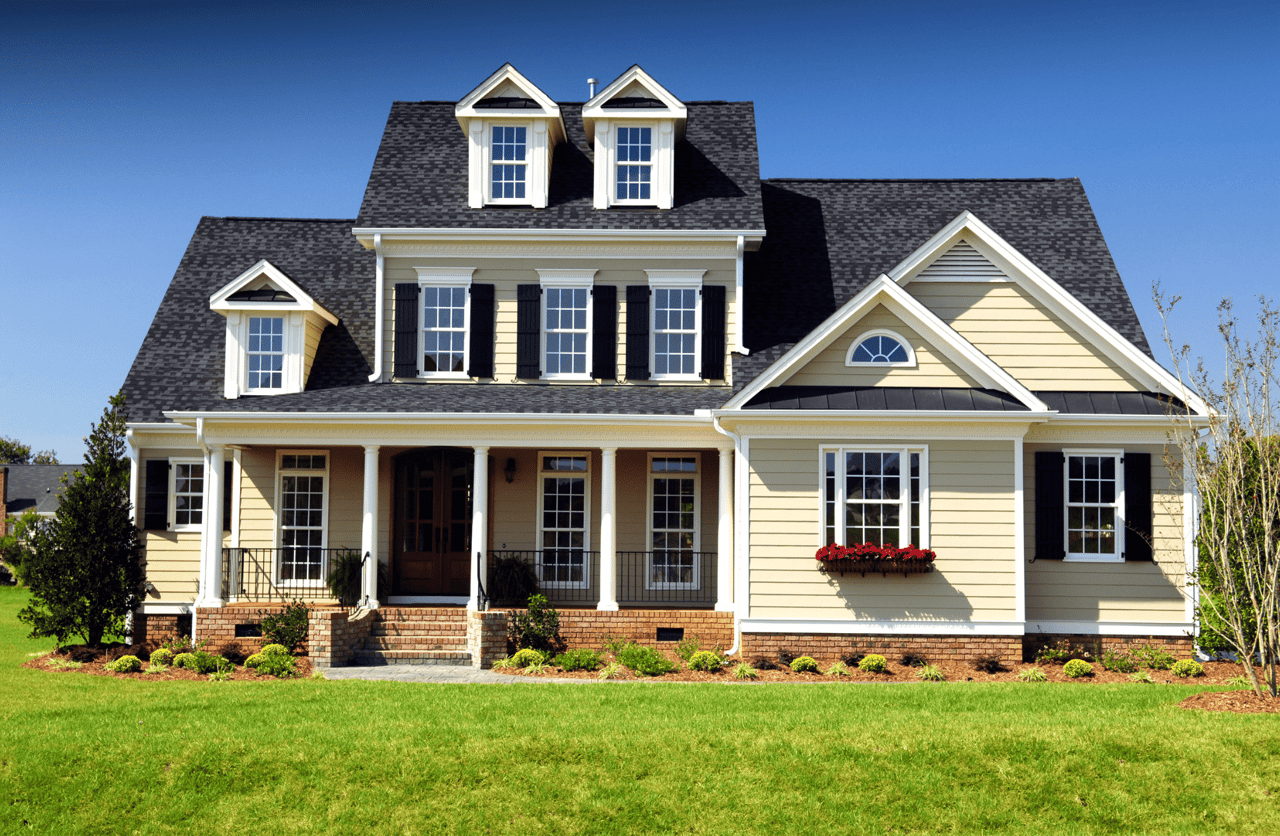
[{"x": 868, "y": 557}]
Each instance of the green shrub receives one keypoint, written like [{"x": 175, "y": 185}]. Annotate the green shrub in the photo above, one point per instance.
[
  {"x": 914, "y": 660},
  {"x": 536, "y": 668},
  {"x": 162, "y": 656},
  {"x": 1077, "y": 668},
  {"x": 1156, "y": 658},
  {"x": 538, "y": 627},
  {"x": 646, "y": 661},
  {"x": 1240, "y": 681},
  {"x": 706, "y": 660},
  {"x": 505, "y": 663},
  {"x": 989, "y": 664},
  {"x": 744, "y": 671},
  {"x": 838, "y": 669},
  {"x": 685, "y": 648},
  {"x": 512, "y": 580},
  {"x": 275, "y": 650},
  {"x": 1033, "y": 674},
  {"x": 873, "y": 663},
  {"x": 1062, "y": 651},
  {"x": 344, "y": 579},
  {"x": 612, "y": 644},
  {"x": 1187, "y": 667},
  {"x": 220, "y": 676},
  {"x": 581, "y": 659},
  {"x": 204, "y": 662},
  {"x": 610, "y": 671},
  {"x": 1118, "y": 660},
  {"x": 183, "y": 660},
  {"x": 288, "y": 627},
  {"x": 272, "y": 663},
  {"x": 931, "y": 673},
  {"x": 526, "y": 656},
  {"x": 125, "y": 664},
  {"x": 63, "y": 664},
  {"x": 1141, "y": 676},
  {"x": 156, "y": 667},
  {"x": 804, "y": 664}
]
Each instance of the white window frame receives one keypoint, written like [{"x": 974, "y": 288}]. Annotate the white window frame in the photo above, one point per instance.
[
  {"x": 490, "y": 162},
  {"x": 675, "y": 280},
  {"x": 909, "y": 363},
  {"x": 1118, "y": 505},
  {"x": 281, "y": 472},
  {"x": 696, "y": 476},
  {"x": 652, "y": 164},
  {"x": 565, "y": 280},
  {"x": 284, "y": 354},
  {"x": 173, "y": 494},
  {"x": 904, "y": 492},
  {"x": 585, "y": 583},
  {"x": 444, "y": 277}
]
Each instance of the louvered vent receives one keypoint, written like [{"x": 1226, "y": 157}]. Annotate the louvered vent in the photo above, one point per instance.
[{"x": 962, "y": 263}]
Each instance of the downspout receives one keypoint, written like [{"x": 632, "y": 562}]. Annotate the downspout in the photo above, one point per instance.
[
  {"x": 738, "y": 498},
  {"x": 379, "y": 301},
  {"x": 741, "y": 324}
]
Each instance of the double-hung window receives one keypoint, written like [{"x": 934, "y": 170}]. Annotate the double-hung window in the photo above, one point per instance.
[
  {"x": 508, "y": 163},
  {"x": 566, "y": 323},
  {"x": 1094, "y": 507},
  {"x": 444, "y": 329},
  {"x": 187, "y": 494},
  {"x": 673, "y": 522},
  {"x": 876, "y": 495},
  {"x": 303, "y": 502},
  {"x": 264, "y": 354},
  {"x": 675, "y": 332},
  {"x": 563, "y": 518},
  {"x": 634, "y": 168}
]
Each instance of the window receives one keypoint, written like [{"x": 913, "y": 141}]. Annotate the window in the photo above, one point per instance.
[
  {"x": 187, "y": 494},
  {"x": 303, "y": 516},
  {"x": 673, "y": 523},
  {"x": 875, "y": 495},
  {"x": 508, "y": 151},
  {"x": 1094, "y": 506},
  {"x": 563, "y": 519},
  {"x": 265, "y": 353},
  {"x": 444, "y": 329},
  {"x": 565, "y": 333},
  {"x": 634, "y": 166},
  {"x": 881, "y": 348},
  {"x": 675, "y": 332}
]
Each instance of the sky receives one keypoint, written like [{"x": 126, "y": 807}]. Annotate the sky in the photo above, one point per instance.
[{"x": 122, "y": 123}]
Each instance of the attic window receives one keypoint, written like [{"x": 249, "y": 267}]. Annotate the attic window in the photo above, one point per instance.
[
  {"x": 881, "y": 348},
  {"x": 506, "y": 103}
]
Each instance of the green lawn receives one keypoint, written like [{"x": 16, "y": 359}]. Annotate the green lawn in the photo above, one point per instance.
[{"x": 87, "y": 754}]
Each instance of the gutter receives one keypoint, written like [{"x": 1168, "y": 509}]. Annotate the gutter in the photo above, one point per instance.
[{"x": 378, "y": 294}]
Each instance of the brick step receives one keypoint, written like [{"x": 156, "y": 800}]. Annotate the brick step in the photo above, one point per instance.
[
  {"x": 411, "y": 657},
  {"x": 416, "y": 643}
]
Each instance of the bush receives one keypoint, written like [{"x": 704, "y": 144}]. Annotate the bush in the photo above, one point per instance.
[
  {"x": 344, "y": 579},
  {"x": 930, "y": 673},
  {"x": 804, "y": 664},
  {"x": 538, "y": 627},
  {"x": 646, "y": 661},
  {"x": 536, "y": 668},
  {"x": 125, "y": 664},
  {"x": 873, "y": 663},
  {"x": 914, "y": 660},
  {"x": 582, "y": 659},
  {"x": 1187, "y": 667},
  {"x": 610, "y": 671},
  {"x": 1141, "y": 676},
  {"x": 1118, "y": 660},
  {"x": 272, "y": 660},
  {"x": 202, "y": 662},
  {"x": 275, "y": 650},
  {"x": 685, "y": 648},
  {"x": 706, "y": 660},
  {"x": 504, "y": 663},
  {"x": 838, "y": 669},
  {"x": 785, "y": 658},
  {"x": 1061, "y": 651},
  {"x": 989, "y": 664},
  {"x": 220, "y": 676},
  {"x": 526, "y": 656},
  {"x": 1156, "y": 658},
  {"x": 511, "y": 580},
  {"x": 1077, "y": 668},
  {"x": 744, "y": 671},
  {"x": 161, "y": 656},
  {"x": 612, "y": 644},
  {"x": 764, "y": 663},
  {"x": 1032, "y": 675},
  {"x": 183, "y": 660},
  {"x": 287, "y": 628}
]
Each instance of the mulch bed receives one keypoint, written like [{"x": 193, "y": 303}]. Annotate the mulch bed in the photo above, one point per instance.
[
  {"x": 1235, "y": 702},
  {"x": 92, "y": 660}
]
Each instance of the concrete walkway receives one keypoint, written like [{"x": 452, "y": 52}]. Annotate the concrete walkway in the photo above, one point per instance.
[{"x": 438, "y": 673}]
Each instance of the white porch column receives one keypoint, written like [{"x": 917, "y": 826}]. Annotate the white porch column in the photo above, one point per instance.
[
  {"x": 608, "y": 529},
  {"x": 369, "y": 530},
  {"x": 211, "y": 530},
  {"x": 479, "y": 524},
  {"x": 724, "y": 536}
]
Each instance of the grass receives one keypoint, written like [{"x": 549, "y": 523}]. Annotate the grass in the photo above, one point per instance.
[{"x": 89, "y": 754}]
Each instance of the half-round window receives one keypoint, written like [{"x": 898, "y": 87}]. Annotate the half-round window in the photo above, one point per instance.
[{"x": 881, "y": 348}]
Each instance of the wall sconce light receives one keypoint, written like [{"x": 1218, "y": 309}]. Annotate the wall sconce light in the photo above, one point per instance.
[{"x": 510, "y": 471}]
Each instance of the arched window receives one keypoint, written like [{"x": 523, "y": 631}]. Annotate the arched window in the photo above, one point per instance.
[{"x": 881, "y": 348}]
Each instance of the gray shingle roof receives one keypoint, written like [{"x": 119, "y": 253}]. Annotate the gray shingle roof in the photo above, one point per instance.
[
  {"x": 37, "y": 486},
  {"x": 419, "y": 176}
]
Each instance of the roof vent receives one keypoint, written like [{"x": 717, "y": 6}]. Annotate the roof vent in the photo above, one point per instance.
[{"x": 591, "y": 85}]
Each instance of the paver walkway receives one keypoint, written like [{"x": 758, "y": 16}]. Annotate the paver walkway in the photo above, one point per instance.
[{"x": 437, "y": 673}]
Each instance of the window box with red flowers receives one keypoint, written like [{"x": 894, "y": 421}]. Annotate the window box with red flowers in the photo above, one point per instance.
[{"x": 868, "y": 557}]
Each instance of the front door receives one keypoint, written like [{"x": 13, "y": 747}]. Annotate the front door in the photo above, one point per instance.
[{"x": 432, "y": 534}]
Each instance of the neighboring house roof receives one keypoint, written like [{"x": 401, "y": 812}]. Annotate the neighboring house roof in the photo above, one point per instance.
[
  {"x": 419, "y": 176},
  {"x": 37, "y": 486}
]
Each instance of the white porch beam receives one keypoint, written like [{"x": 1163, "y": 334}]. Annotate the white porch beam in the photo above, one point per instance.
[
  {"x": 724, "y": 535},
  {"x": 369, "y": 530},
  {"x": 608, "y": 529},
  {"x": 479, "y": 523}
]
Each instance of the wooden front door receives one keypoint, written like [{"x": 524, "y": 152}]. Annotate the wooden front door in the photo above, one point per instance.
[{"x": 432, "y": 534}]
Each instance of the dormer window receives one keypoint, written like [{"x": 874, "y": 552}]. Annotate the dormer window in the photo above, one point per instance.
[
  {"x": 508, "y": 150},
  {"x": 635, "y": 124},
  {"x": 265, "y": 353},
  {"x": 881, "y": 348},
  {"x": 635, "y": 165}
]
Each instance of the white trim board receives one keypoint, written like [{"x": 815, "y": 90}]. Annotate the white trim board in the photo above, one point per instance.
[
  {"x": 882, "y": 628},
  {"x": 401, "y": 600},
  {"x": 1112, "y": 628}
]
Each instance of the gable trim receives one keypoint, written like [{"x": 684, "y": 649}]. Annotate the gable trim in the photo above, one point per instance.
[
  {"x": 466, "y": 107},
  {"x": 221, "y": 302}
]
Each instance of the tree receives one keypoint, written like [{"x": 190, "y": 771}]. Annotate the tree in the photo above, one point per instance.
[
  {"x": 15, "y": 546},
  {"x": 1236, "y": 467},
  {"x": 13, "y": 451},
  {"x": 85, "y": 569}
]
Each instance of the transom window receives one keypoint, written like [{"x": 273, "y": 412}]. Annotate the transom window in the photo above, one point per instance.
[
  {"x": 635, "y": 164},
  {"x": 444, "y": 329},
  {"x": 874, "y": 495},
  {"x": 881, "y": 348},
  {"x": 265, "y": 352},
  {"x": 303, "y": 495},
  {"x": 566, "y": 331},
  {"x": 188, "y": 494},
  {"x": 675, "y": 332},
  {"x": 563, "y": 523},
  {"x": 508, "y": 162},
  {"x": 1093, "y": 506},
  {"x": 673, "y": 527}
]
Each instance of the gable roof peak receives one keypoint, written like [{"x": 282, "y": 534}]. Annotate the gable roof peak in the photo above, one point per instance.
[{"x": 506, "y": 92}]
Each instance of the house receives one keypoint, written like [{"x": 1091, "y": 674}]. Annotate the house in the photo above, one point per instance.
[
  {"x": 33, "y": 487},
  {"x": 590, "y": 337}
]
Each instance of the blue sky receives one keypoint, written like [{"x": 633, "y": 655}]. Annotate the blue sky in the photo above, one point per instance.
[{"x": 121, "y": 123}]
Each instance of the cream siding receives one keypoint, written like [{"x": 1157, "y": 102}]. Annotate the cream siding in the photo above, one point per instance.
[
  {"x": 172, "y": 558},
  {"x": 311, "y": 342},
  {"x": 1129, "y": 592},
  {"x": 1031, "y": 343},
  {"x": 971, "y": 526}
]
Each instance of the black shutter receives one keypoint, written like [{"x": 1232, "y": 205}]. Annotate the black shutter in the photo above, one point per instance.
[
  {"x": 1049, "y": 507},
  {"x": 1137, "y": 507},
  {"x": 713, "y": 322},
  {"x": 155, "y": 505},
  {"x": 638, "y": 332},
  {"x": 604, "y": 332},
  {"x": 480, "y": 359},
  {"x": 528, "y": 332},
  {"x": 406, "y": 351},
  {"x": 227, "y": 470}
]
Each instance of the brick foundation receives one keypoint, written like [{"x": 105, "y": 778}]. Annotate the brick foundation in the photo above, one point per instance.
[
  {"x": 332, "y": 638},
  {"x": 828, "y": 647},
  {"x": 153, "y": 629},
  {"x": 1182, "y": 647},
  {"x": 589, "y": 628}
]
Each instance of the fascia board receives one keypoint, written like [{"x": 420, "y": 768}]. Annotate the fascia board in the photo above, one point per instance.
[
  {"x": 1174, "y": 423},
  {"x": 304, "y": 302},
  {"x": 188, "y": 418},
  {"x": 365, "y": 235}
]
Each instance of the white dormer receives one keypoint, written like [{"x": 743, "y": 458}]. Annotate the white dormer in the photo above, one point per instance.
[
  {"x": 635, "y": 123},
  {"x": 512, "y": 127},
  {"x": 273, "y": 330}
]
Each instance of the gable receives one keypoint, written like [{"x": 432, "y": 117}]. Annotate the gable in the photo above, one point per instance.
[{"x": 829, "y": 367}]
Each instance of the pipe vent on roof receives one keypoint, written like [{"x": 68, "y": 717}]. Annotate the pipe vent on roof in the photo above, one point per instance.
[{"x": 591, "y": 86}]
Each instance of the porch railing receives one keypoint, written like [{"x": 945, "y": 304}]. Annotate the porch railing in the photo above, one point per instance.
[
  {"x": 276, "y": 574},
  {"x": 643, "y": 579}
]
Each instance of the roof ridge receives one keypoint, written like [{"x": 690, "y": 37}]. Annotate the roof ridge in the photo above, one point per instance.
[
  {"x": 288, "y": 220},
  {"x": 916, "y": 179}
]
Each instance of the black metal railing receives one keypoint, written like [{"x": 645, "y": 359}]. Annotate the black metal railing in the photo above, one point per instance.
[
  {"x": 642, "y": 579},
  {"x": 275, "y": 574}
]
